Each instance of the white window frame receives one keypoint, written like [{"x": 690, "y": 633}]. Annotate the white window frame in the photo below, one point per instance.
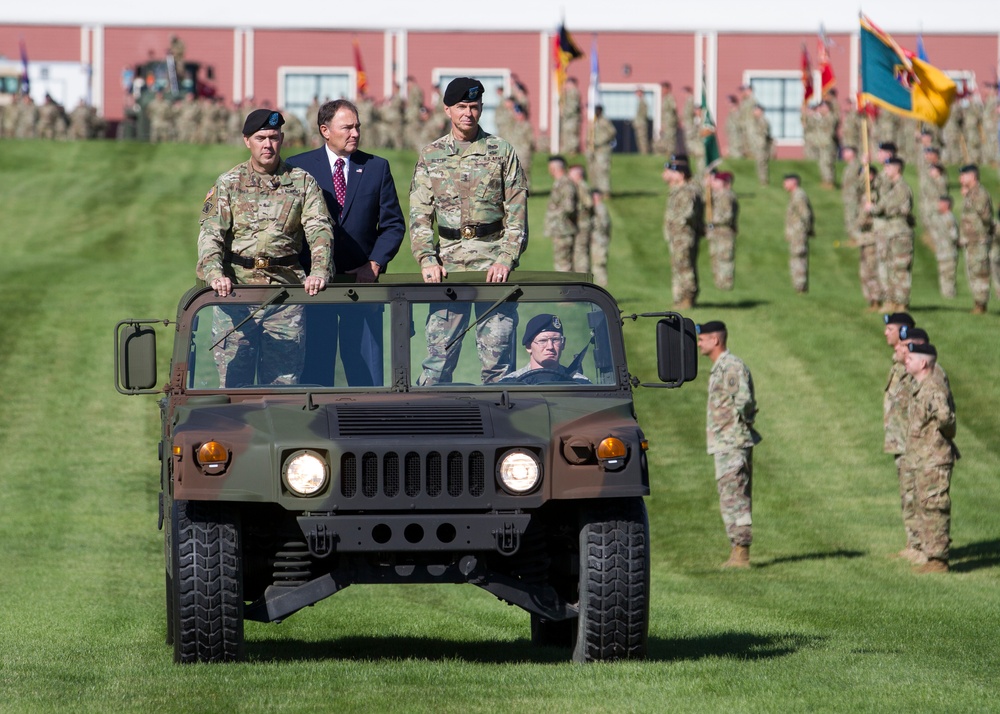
[
  {"x": 646, "y": 87},
  {"x": 504, "y": 72},
  {"x": 749, "y": 74},
  {"x": 350, "y": 71}
]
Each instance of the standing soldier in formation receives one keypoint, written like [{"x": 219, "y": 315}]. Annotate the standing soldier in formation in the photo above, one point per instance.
[
  {"x": 641, "y": 123},
  {"x": 892, "y": 210},
  {"x": 561, "y": 215},
  {"x": 953, "y": 151},
  {"x": 51, "y": 120},
  {"x": 944, "y": 232},
  {"x": 868, "y": 265},
  {"x": 312, "y": 121},
  {"x": 798, "y": 231},
  {"x": 730, "y": 437},
  {"x": 522, "y": 138},
  {"x": 930, "y": 454},
  {"x": 933, "y": 183},
  {"x": 721, "y": 216},
  {"x": 253, "y": 225},
  {"x": 503, "y": 115},
  {"x": 394, "y": 119},
  {"x": 472, "y": 185},
  {"x": 693, "y": 140},
  {"x": 569, "y": 118},
  {"x": 600, "y": 238},
  {"x": 826, "y": 144},
  {"x": 758, "y": 138},
  {"x": 976, "y": 235},
  {"x": 682, "y": 227},
  {"x": 601, "y": 139},
  {"x": 160, "y": 115},
  {"x": 584, "y": 219},
  {"x": 668, "y": 120},
  {"x": 972, "y": 129}
]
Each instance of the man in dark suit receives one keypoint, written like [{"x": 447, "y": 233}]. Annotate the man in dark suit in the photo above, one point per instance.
[{"x": 368, "y": 230}]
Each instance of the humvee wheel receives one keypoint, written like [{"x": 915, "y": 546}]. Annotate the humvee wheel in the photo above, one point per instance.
[
  {"x": 207, "y": 584},
  {"x": 614, "y": 582}
]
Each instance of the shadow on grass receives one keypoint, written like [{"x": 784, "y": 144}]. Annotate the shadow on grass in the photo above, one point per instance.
[
  {"x": 984, "y": 554},
  {"x": 635, "y": 194},
  {"x": 739, "y": 645},
  {"x": 809, "y": 556},
  {"x": 737, "y": 305}
]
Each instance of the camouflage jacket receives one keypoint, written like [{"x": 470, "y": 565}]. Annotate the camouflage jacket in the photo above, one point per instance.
[
  {"x": 601, "y": 136},
  {"x": 732, "y": 407},
  {"x": 931, "y": 423},
  {"x": 481, "y": 185},
  {"x": 641, "y": 113},
  {"x": 725, "y": 213},
  {"x": 668, "y": 118},
  {"x": 895, "y": 403},
  {"x": 561, "y": 216},
  {"x": 250, "y": 214},
  {"x": 683, "y": 217},
  {"x": 944, "y": 228},
  {"x": 798, "y": 217},
  {"x": 893, "y": 208},
  {"x": 585, "y": 212},
  {"x": 977, "y": 216},
  {"x": 601, "y": 224}
]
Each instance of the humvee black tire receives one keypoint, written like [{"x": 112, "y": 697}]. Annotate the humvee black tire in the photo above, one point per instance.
[
  {"x": 614, "y": 582},
  {"x": 207, "y": 597},
  {"x": 552, "y": 633},
  {"x": 170, "y": 608}
]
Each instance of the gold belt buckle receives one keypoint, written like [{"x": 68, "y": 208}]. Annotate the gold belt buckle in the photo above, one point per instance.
[
  {"x": 261, "y": 261},
  {"x": 468, "y": 231}
]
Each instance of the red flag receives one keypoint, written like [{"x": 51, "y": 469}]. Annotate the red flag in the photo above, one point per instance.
[
  {"x": 825, "y": 70},
  {"x": 360, "y": 69},
  {"x": 564, "y": 51},
  {"x": 807, "y": 76}
]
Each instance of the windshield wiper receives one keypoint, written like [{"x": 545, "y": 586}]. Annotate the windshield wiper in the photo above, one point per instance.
[
  {"x": 515, "y": 292},
  {"x": 274, "y": 298}
]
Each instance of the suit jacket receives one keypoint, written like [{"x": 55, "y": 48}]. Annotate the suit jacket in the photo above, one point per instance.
[{"x": 371, "y": 226}]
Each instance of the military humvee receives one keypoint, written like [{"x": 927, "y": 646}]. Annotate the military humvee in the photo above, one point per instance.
[{"x": 274, "y": 497}]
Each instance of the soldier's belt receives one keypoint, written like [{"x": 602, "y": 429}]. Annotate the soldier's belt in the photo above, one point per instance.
[
  {"x": 470, "y": 231},
  {"x": 261, "y": 262}
]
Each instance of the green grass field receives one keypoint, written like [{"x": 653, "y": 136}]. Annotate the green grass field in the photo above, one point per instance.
[{"x": 825, "y": 621}]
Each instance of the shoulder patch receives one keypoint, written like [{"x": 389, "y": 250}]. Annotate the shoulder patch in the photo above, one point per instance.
[{"x": 211, "y": 199}]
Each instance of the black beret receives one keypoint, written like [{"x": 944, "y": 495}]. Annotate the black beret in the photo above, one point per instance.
[
  {"x": 708, "y": 328},
  {"x": 969, "y": 169},
  {"x": 679, "y": 162},
  {"x": 896, "y": 161},
  {"x": 931, "y": 150},
  {"x": 887, "y": 146},
  {"x": 795, "y": 177},
  {"x": 463, "y": 89},
  {"x": 541, "y": 323},
  {"x": 923, "y": 349},
  {"x": 899, "y": 318},
  {"x": 906, "y": 332},
  {"x": 262, "y": 119}
]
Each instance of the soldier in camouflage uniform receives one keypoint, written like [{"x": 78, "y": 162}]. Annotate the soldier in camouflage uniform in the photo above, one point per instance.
[
  {"x": 472, "y": 184},
  {"x": 930, "y": 454},
  {"x": 976, "y": 235},
  {"x": 868, "y": 274},
  {"x": 734, "y": 130},
  {"x": 522, "y": 138},
  {"x": 730, "y": 436},
  {"x": 943, "y": 229},
  {"x": 758, "y": 138},
  {"x": 252, "y": 228},
  {"x": 584, "y": 219},
  {"x": 682, "y": 227},
  {"x": 721, "y": 219},
  {"x": 641, "y": 123},
  {"x": 798, "y": 231},
  {"x": 600, "y": 238},
  {"x": 933, "y": 184},
  {"x": 601, "y": 137},
  {"x": 668, "y": 120},
  {"x": 561, "y": 215},
  {"x": 892, "y": 211},
  {"x": 569, "y": 118},
  {"x": 826, "y": 144}
]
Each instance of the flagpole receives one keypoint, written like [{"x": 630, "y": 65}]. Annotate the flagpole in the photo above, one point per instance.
[{"x": 864, "y": 152}]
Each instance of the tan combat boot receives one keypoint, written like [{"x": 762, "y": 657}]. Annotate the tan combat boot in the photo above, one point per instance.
[
  {"x": 979, "y": 309},
  {"x": 914, "y": 555},
  {"x": 933, "y": 565},
  {"x": 739, "y": 557}
]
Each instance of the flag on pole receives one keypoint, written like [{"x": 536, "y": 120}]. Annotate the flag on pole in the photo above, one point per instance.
[
  {"x": 826, "y": 78},
  {"x": 712, "y": 156},
  {"x": 921, "y": 52},
  {"x": 901, "y": 82},
  {"x": 594, "y": 92},
  {"x": 362, "y": 80},
  {"x": 807, "y": 76},
  {"x": 564, "y": 51},
  {"x": 25, "y": 82}
]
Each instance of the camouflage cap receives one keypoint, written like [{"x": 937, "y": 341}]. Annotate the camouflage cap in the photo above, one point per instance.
[
  {"x": 262, "y": 119},
  {"x": 925, "y": 348},
  {"x": 463, "y": 89},
  {"x": 907, "y": 332},
  {"x": 899, "y": 318},
  {"x": 541, "y": 323},
  {"x": 707, "y": 328}
]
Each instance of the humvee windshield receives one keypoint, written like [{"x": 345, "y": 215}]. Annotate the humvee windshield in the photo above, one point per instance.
[{"x": 291, "y": 345}]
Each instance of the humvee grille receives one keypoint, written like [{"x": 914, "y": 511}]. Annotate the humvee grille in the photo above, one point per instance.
[
  {"x": 409, "y": 420},
  {"x": 433, "y": 474}
]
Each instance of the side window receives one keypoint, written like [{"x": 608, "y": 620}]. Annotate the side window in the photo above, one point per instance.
[
  {"x": 781, "y": 96},
  {"x": 298, "y": 86}
]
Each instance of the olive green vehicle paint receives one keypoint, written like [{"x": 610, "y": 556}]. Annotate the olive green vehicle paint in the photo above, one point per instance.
[{"x": 274, "y": 497}]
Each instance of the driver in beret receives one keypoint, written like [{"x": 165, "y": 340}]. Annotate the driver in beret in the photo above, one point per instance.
[{"x": 544, "y": 341}]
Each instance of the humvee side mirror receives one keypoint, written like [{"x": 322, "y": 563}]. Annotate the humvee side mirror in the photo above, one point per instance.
[
  {"x": 135, "y": 357},
  {"x": 676, "y": 350}
]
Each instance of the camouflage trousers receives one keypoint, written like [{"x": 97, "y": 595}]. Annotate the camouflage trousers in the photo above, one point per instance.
[
  {"x": 581, "y": 252},
  {"x": 269, "y": 348},
  {"x": 933, "y": 503},
  {"x": 895, "y": 260},
  {"x": 599, "y": 169},
  {"x": 946, "y": 253},
  {"x": 908, "y": 502},
  {"x": 995, "y": 267},
  {"x": 684, "y": 268},
  {"x": 569, "y": 135},
  {"x": 763, "y": 169},
  {"x": 599, "y": 244},
  {"x": 642, "y": 138},
  {"x": 827, "y": 160},
  {"x": 798, "y": 263},
  {"x": 562, "y": 253},
  {"x": 871, "y": 288},
  {"x": 722, "y": 249},
  {"x": 977, "y": 267},
  {"x": 494, "y": 341},
  {"x": 734, "y": 481}
]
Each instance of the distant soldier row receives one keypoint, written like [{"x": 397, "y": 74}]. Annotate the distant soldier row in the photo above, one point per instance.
[
  {"x": 23, "y": 119},
  {"x": 577, "y": 222}
]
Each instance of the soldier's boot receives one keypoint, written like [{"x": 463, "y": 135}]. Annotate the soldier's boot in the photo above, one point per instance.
[
  {"x": 874, "y": 306},
  {"x": 933, "y": 565},
  {"x": 914, "y": 555},
  {"x": 979, "y": 309},
  {"x": 684, "y": 304},
  {"x": 739, "y": 557}
]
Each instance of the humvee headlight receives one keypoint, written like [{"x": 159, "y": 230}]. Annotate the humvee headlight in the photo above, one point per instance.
[
  {"x": 212, "y": 457},
  {"x": 304, "y": 473},
  {"x": 519, "y": 471},
  {"x": 611, "y": 452}
]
